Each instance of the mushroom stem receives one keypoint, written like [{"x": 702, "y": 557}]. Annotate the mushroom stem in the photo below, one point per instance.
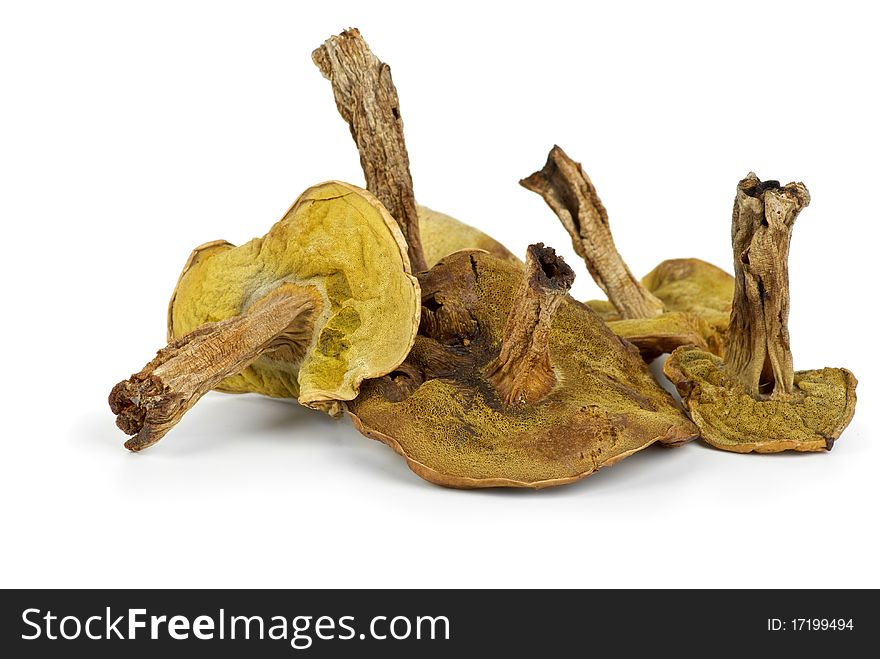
[
  {"x": 153, "y": 400},
  {"x": 569, "y": 192},
  {"x": 367, "y": 99},
  {"x": 522, "y": 372},
  {"x": 758, "y": 347}
]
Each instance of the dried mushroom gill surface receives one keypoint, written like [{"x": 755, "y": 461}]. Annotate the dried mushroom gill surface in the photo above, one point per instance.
[
  {"x": 367, "y": 99},
  {"x": 680, "y": 302},
  {"x": 323, "y": 301},
  {"x": 753, "y": 399},
  {"x": 511, "y": 382}
]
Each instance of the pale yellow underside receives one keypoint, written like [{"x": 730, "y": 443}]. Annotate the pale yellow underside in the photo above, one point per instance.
[
  {"x": 339, "y": 239},
  {"x": 442, "y": 235}
]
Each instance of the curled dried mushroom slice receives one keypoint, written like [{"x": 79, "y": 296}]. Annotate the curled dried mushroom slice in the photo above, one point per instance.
[
  {"x": 753, "y": 399},
  {"x": 512, "y": 383},
  {"x": 323, "y": 301},
  {"x": 680, "y": 302}
]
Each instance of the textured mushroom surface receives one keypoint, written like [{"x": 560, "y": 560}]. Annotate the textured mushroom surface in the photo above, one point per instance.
[
  {"x": 338, "y": 239},
  {"x": 697, "y": 298},
  {"x": 442, "y": 412},
  {"x": 321, "y": 302},
  {"x": 753, "y": 399},
  {"x": 810, "y": 418},
  {"x": 442, "y": 235}
]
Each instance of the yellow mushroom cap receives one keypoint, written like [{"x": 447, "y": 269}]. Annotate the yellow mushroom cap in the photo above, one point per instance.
[
  {"x": 442, "y": 235},
  {"x": 811, "y": 418},
  {"x": 696, "y": 297},
  {"x": 338, "y": 239}
]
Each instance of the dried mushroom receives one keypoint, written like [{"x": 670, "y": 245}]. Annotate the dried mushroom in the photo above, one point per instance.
[
  {"x": 680, "y": 302},
  {"x": 482, "y": 371},
  {"x": 367, "y": 99},
  {"x": 443, "y": 235},
  {"x": 510, "y": 382},
  {"x": 513, "y": 383},
  {"x": 323, "y": 301},
  {"x": 753, "y": 400}
]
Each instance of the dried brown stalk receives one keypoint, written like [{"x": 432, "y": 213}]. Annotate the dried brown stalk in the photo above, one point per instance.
[
  {"x": 282, "y": 315},
  {"x": 522, "y": 370},
  {"x": 569, "y": 192},
  {"x": 758, "y": 348},
  {"x": 367, "y": 99},
  {"x": 153, "y": 400},
  {"x": 680, "y": 302},
  {"x": 753, "y": 399}
]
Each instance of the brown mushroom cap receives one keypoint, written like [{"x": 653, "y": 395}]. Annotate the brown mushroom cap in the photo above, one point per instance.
[
  {"x": 442, "y": 235},
  {"x": 697, "y": 299},
  {"x": 809, "y": 419},
  {"x": 442, "y": 413}
]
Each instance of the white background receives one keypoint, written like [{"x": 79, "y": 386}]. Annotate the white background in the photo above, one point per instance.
[{"x": 132, "y": 132}]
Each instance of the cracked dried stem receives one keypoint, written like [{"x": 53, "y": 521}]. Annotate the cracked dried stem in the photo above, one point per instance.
[
  {"x": 570, "y": 194},
  {"x": 522, "y": 372},
  {"x": 758, "y": 347},
  {"x": 367, "y": 100},
  {"x": 153, "y": 400}
]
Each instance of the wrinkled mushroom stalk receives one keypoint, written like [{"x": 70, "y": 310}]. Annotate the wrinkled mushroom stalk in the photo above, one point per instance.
[
  {"x": 753, "y": 399},
  {"x": 571, "y": 195},
  {"x": 367, "y": 99},
  {"x": 152, "y": 401},
  {"x": 758, "y": 349},
  {"x": 680, "y": 302},
  {"x": 522, "y": 372},
  {"x": 321, "y": 302}
]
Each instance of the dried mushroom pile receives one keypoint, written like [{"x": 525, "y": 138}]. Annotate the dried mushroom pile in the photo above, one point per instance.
[{"x": 478, "y": 368}]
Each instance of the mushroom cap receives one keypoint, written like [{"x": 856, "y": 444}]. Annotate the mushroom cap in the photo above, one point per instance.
[
  {"x": 697, "y": 297},
  {"x": 340, "y": 240},
  {"x": 440, "y": 412},
  {"x": 442, "y": 235},
  {"x": 693, "y": 286},
  {"x": 810, "y": 419}
]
